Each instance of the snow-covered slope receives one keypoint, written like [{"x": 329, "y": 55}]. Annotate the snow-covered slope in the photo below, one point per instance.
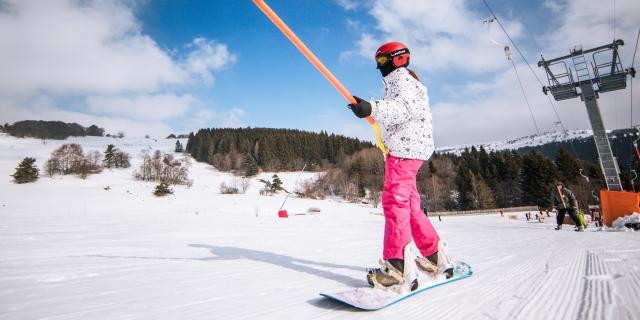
[
  {"x": 69, "y": 249},
  {"x": 528, "y": 141}
]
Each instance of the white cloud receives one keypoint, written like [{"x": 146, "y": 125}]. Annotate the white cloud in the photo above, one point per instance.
[
  {"x": 590, "y": 23},
  {"x": 442, "y": 35},
  {"x": 231, "y": 119},
  {"x": 348, "y": 4},
  {"x": 68, "y": 47},
  {"x": 366, "y": 46},
  {"x": 448, "y": 36},
  {"x": 201, "y": 118},
  {"x": 358, "y": 129},
  {"x": 208, "y": 56},
  {"x": 553, "y": 5},
  {"x": 94, "y": 54},
  {"x": 45, "y": 108},
  {"x": 149, "y": 107}
]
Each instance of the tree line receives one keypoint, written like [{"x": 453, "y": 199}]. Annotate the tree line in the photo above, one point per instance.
[
  {"x": 248, "y": 149},
  {"x": 475, "y": 179},
  {"x": 56, "y": 130},
  {"x": 480, "y": 180}
]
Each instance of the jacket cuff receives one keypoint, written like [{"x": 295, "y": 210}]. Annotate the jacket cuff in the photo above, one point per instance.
[{"x": 374, "y": 108}]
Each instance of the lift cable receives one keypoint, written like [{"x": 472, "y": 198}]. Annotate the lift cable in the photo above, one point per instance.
[
  {"x": 525, "y": 97},
  {"x": 633, "y": 60},
  {"x": 555, "y": 111}
]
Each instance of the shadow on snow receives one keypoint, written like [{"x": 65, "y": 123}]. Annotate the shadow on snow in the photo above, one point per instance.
[{"x": 225, "y": 253}]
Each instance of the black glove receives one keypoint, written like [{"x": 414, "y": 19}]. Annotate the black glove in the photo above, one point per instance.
[{"x": 361, "y": 108}]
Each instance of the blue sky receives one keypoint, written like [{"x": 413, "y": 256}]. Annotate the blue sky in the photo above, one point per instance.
[{"x": 176, "y": 66}]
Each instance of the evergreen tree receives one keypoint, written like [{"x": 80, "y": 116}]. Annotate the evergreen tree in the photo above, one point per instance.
[
  {"x": 273, "y": 149},
  {"x": 568, "y": 167},
  {"x": 26, "y": 171},
  {"x": 162, "y": 189},
  {"x": 465, "y": 188},
  {"x": 483, "y": 161},
  {"x": 109, "y": 156},
  {"x": 276, "y": 183},
  {"x": 538, "y": 175},
  {"x": 249, "y": 166},
  {"x": 190, "y": 141},
  {"x": 432, "y": 168},
  {"x": 179, "y": 148}
]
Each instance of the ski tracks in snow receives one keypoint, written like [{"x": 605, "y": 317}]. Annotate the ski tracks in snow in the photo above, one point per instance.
[{"x": 566, "y": 276}]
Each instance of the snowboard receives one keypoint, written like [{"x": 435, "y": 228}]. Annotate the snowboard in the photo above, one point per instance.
[{"x": 367, "y": 298}]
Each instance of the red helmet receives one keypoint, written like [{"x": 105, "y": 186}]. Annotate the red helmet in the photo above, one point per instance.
[{"x": 394, "y": 51}]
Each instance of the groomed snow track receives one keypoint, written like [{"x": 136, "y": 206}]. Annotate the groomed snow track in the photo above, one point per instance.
[{"x": 69, "y": 249}]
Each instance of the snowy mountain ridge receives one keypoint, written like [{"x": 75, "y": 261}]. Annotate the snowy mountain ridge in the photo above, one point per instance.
[{"x": 517, "y": 143}]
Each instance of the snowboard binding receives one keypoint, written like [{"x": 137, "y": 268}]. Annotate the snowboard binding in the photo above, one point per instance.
[
  {"x": 394, "y": 274},
  {"x": 437, "y": 263}
]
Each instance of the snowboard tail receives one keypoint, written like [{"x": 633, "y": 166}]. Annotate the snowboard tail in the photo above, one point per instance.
[{"x": 376, "y": 298}]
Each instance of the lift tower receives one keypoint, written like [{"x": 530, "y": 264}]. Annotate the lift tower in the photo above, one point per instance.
[{"x": 606, "y": 74}]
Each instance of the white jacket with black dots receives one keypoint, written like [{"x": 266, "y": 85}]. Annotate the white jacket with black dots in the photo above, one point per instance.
[{"x": 405, "y": 116}]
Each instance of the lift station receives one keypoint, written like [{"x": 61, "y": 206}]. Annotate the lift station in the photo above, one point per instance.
[{"x": 597, "y": 73}]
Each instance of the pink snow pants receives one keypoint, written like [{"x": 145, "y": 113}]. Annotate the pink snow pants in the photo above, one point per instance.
[{"x": 404, "y": 219}]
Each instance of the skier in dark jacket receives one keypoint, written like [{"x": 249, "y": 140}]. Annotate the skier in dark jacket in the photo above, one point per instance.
[{"x": 565, "y": 202}]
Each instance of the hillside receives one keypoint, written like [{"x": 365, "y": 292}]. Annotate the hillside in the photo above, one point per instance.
[
  {"x": 578, "y": 142},
  {"x": 72, "y": 250},
  {"x": 268, "y": 148},
  {"x": 56, "y": 130}
]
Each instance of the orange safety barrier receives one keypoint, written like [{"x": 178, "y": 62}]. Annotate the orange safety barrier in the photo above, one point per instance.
[{"x": 615, "y": 204}]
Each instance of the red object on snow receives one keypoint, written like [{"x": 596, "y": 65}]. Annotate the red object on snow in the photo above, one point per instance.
[{"x": 283, "y": 214}]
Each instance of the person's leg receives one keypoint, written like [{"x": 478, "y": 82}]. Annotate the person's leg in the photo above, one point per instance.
[
  {"x": 574, "y": 216},
  {"x": 422, "y": 231},
  {"x": 560, "y": 216},
  {"x": 396, "y": 205}
]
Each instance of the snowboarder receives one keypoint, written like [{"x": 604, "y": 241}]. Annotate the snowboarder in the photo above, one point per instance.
[
  {"x": 565, "y": 202},
  {"x": 405, "y": 115}
]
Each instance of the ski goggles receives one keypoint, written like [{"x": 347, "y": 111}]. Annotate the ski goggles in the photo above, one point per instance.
[{"x": 382, "y": 60}]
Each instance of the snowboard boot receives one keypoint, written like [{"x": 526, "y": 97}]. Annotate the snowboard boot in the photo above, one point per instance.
[
  {"x": 437, "y": 263},
  {"x": 579, "y": 229},
  {"x": 394, "y": 274},
  {"x": 390, "y": 273},
  {"x": 559, "y": 227}
]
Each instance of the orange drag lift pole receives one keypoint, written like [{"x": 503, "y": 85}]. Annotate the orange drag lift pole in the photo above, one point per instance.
[{"x": 316, "y": 62}]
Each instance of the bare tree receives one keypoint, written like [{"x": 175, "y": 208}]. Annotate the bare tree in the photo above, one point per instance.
[
  {"x": 164, "y": 168},
  {"x": 244, "y": 184},
  {"x": 69, "y": 159},
  {"x": 121, "y": 159},
  {"x": 228, "y": 189},
  {"x": 376, "y": 197},
  {"x": 481, "y": 193}
]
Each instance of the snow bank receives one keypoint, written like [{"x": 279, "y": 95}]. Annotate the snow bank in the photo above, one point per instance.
[{"x": 622, "y": 221}]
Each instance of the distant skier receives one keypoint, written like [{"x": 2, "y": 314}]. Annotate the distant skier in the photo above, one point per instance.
[
  {"x": 405, "y": 115},
  {"x": 565, "y": 202}
]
